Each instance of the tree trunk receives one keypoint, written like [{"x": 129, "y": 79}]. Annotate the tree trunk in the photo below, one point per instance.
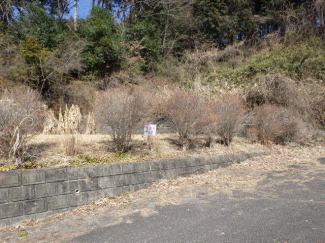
[{"x": 75, "y": 17}]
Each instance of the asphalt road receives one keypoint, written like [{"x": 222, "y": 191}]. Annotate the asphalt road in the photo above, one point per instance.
[{"x": 284, "y": 208}]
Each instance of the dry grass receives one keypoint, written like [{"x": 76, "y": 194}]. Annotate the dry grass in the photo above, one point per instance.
[
  {"x": 51, "y": 153},
  {"x": 69, "y": 145}
]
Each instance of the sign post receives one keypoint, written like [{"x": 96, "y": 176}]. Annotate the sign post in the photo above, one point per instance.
[{"x": 150, "y": 131}]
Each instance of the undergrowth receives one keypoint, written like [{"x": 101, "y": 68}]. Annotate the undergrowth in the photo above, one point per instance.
[{"x": 299, "y": 61}]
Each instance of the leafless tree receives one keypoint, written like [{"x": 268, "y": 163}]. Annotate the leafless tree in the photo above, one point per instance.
[
  {"x": 20, "y": 118},
  {"x": 185, "y": 111},
  {"x": 228, "y": 115},
  {"x": 122, "y": 110}
]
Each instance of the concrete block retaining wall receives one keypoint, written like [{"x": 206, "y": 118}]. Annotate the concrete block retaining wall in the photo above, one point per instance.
[{"x": 35, "y": 194}]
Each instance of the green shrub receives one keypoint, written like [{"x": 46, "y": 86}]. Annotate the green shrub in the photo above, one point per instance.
[{"x": 300, "y": 61}]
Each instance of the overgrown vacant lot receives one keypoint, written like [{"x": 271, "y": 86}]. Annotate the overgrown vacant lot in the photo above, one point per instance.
[
  {"x": 97, "y": 149},
  {"x": 260, "y": 178}
]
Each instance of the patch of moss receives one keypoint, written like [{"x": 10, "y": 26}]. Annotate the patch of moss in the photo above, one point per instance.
[
  {"x": 84, "y": 160},
  {"x": 7, "y": 168},
  {"x": 23, "y": 233}
]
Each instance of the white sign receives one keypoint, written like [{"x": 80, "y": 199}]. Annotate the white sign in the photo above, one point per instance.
[{"x": 150, "y": 130}]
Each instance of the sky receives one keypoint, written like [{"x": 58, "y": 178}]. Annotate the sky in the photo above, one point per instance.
[{"x": 84, "y": 7}]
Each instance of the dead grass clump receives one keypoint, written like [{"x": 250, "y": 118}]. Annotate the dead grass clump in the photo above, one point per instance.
[
  {"x": 121, "y": 111},
  {"x": 186, "y": 111},
  {"x": 69, "y": 145},
  {"x": 69, "y": 121},
  {"x": 277, "y": 124},
  {"x": 228, "y": 115},
  {"x": 91, "y": 125},
  {"x": 21, "y": 113}
]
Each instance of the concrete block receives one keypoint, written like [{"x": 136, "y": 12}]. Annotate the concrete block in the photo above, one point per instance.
[
  {"x": 200, "y": 161},
  {"x": 78, "y": 199},
  {"x": 57, "y": 202},
  {"x": 68, "y": 187},
  {"x": 215, "y": 160},
  {"x": 134, "y": 188},
  {"x": 53, "y": 175},
  {"x": 137, "y": 178},
  {"x": 99, "y": 171},
  {"x": 143, "y": 167},
  {"x": 179, "y": 172},
  {"x": 88, "y": 184},
  {"x": 167, "y": 174},
  {"x": 118, "y": 191},
  {"x": 151, "y": 176},
  {"x": 4, "y": 195},
  {"x": 4, "y": 223},
  {"x": 215, "y": 166},
  {"x": 63, "y": 210},
  {"x": 206, "y": 168},
  {"x": 155, "y": 165},
  {"x": 144, "y": 186},
  {"x": 164, "y": 165},
  {"x": 33, "y": 177},
  {"x": 199, "y": 170},
  {"x": 45, "y": 214},
  {"x": 128, "y": 179},
  {"x": 78, "y": 173},
  {"x": 129, "y": 168},
  {"x": 226, "y": 164},
  {"x": 190, "y": 162},
  {"x": 170, "y": 164},
  {"x": 223, "y": 158},
  {"x": 35, "y": 206},
  {"x": 18, "y": 220},
  {"x": 127, "y": 189},
  {"x": 119, "y": 180},
  {"x": 105, "y": 182},
  {"x": 93, "y": 196},
  {"x": 9, "y": 179},
  {"x": 106, "y": 193},
  {"x": 46, "y": 190},
  {"x": 180, "y": 163},
  {"x": 10, "y": 210},
  {"x": 115, "y": 169},
  {"x": 21, "y": 193}
]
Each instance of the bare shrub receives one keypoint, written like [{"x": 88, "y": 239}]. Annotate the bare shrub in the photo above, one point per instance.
[
  {"x": 122, "y": 110},
  {"x": 228, "y": 115},
  {"x": 185, "y": 111},
  {"x": 277, "y": 124},
  {"x": 20, "y": 118},
  {"x": 316, "y": 92},
  {"x": 279, "y": 90},
  {"x": 69, "y": 145}
]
